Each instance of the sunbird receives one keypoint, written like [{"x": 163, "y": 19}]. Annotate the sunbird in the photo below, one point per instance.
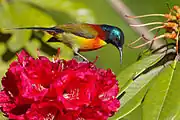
[{"x": 84, "y": 36}]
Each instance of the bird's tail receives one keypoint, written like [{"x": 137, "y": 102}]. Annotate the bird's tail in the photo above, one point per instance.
[{"x": 53, "y": 29}]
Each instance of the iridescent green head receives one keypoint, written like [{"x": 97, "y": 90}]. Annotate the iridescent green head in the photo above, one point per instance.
[{"x": 115, "y": 36}]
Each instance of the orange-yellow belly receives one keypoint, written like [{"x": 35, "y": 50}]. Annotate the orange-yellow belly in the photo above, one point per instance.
[{"x": 91, "y": 44}]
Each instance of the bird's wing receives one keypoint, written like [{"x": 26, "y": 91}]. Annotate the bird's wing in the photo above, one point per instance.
[{"x": 84, "y": 30}]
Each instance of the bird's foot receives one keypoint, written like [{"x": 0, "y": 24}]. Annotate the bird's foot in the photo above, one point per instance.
[{"x": 81, "y": 56}]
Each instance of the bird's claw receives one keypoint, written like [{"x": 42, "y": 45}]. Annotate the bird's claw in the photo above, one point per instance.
[{"x": 81, "y": 56}]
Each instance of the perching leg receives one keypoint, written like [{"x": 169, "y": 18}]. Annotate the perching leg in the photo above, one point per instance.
[{"x": 85, "y": 59}]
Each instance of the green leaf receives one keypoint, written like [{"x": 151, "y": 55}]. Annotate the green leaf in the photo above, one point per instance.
[
  {"x": 134, "y": 115},
  {"x": 18, "y": 40},
  {"x": 2, "y": 117},
  {"x": 135, "y": 93},
  {"x": 65, "y": 51},
  {"x": 177, "y": 117},
  {"x": 163, "y": 99},
  {"x": 18, "y": 14},
  {"x": 127, "y": 75},
  {"x": 2, "y": 48},
  {"x": 32, "y": 47},
  {"x": 76, "y": 10},
  {"x": 3, "y": 69}
]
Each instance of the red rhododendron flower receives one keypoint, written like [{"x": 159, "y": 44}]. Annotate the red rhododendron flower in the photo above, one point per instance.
[{"x": 68, "y": 90}]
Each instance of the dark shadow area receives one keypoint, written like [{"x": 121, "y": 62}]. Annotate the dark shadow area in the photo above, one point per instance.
[
  {"x": 4, "y": 37},
  {"x": 44, "y": 47},
  {"x": 8, "y": 55}
]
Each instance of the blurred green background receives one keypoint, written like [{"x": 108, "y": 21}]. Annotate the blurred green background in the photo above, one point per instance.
[{"x": 46, "y": 13}]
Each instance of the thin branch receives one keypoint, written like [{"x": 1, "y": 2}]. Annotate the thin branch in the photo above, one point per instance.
[{"x": 123, "y": 11}]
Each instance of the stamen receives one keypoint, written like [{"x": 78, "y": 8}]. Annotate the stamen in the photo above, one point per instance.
[
  {"x": 177, "y": 43},
  {"x": 148, "y": 15},
  {"x": 158, "y": 27},
  {"x": 155, "y": 28},
  {"x": 147, "y": 24},
  {"x": 95, "y": 60},
  {"x": 156, "y": 38},
  {"x": 56, "y": 57},
  {"x": 38, "y": 52},
  {"x": 58, "y": 52},
  {"x": 135, "y": 41},
  {"x": 145, "y": 38}
]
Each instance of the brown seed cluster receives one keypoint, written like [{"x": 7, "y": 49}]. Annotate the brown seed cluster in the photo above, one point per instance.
[{"x": 171, "y": 26}]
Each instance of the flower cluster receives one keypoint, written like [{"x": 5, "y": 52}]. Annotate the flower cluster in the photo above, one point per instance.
[
  {"x": 171, "y": 26},
  {"x": 57, "y": 90}
]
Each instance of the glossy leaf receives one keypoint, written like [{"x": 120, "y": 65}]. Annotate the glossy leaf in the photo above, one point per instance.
[
  {"x": 2, "y": 117},
  {"x": 163, "y": 99},
  {"x": 2, "y": 48},
  {"x": 76, "y": 10},
  {"x": 126, "y": 76},
  {"x": 66, "y": 52},
  {"x": 18, "y": 40},
  {"x": 3, "y": 69},
  {"x": 135, "y": 93},
  {"x": 134, "y": 115},
  {"x": 12, "y": 17},
  {"x": 33, "y": 46},
  {"x": 21, "y": 14}
]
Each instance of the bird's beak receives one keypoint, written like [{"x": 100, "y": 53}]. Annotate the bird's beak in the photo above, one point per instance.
[
  {"x": 119, "y": 46},
  {"x": 120, "y": 51}
]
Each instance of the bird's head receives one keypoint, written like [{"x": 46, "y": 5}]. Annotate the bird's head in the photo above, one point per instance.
[{"x": 114, "y": 36}]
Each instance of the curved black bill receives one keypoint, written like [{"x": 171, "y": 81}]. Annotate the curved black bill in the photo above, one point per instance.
[{"x": 121, "y": 54}]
